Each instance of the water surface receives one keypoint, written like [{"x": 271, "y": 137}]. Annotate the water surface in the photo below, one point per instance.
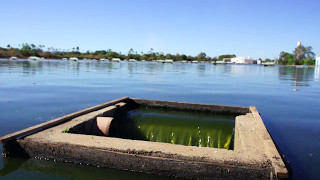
[{"x": 287, "y": 97}]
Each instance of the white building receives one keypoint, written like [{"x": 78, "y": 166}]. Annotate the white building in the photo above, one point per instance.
[
  {"x": 259, "y": 61},
  {"x": 318, "y": 61},
  {"x": 239, "y": 60}
]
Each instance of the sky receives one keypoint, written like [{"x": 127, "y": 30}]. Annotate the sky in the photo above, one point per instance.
[{"x": 255, "y": 28}]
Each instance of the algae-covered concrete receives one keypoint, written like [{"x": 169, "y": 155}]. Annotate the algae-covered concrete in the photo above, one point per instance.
[{"x": 254, "y": 155}]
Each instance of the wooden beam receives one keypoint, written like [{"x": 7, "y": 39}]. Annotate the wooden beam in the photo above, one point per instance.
[{"x": 57, "y": 121}]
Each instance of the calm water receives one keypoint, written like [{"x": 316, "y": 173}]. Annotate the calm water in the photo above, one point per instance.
[{"x": 288, "y": 99}]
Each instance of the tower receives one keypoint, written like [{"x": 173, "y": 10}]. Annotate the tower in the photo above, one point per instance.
[{"x": 298, "y": 43}]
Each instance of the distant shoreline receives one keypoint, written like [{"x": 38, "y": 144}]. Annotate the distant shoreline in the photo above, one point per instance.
[{"x": 50, "y": 59}]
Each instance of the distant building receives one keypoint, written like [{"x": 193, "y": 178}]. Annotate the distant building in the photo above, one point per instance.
[
  {"x": 298, "y": 43},
  {"x": 318, "y": 61},
  {"x": 239, "y": 60},
  {"x": 259, "y": 61}
]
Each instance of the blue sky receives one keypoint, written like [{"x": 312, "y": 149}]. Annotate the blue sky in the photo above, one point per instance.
[{"x": 256, "y": 28}]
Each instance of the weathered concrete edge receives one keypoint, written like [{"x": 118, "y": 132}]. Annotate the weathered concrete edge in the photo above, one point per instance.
[
  {"x": 178, "y": 159},
  {"x": 140, "y": 163},
  {"x": 57, "y": 121},
  {"x": 178, "y": 153},
  {"x": 193, "y": 106},
  {"x": 270, "y": 148},
  {"x": 115, "y": 144}
]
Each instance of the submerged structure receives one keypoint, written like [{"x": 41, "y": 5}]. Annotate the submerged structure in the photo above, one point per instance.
[{"x": 167, "y": 138}]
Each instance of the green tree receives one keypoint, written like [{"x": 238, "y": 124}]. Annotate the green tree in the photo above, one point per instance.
[
  {"x": 283, "y": 58},
  {"x": 169, "y": 56},
  {"x": 214, "y": 59},
  {"x": 143, "y": 57},
  {"x": 26, "y": 50},
  {"x": 177, "y": 57},
  {"x": 151, "y": 51},
  {"x": 160, "y": 56},
  {"x": 184, "y": 57},
  {"x": 309, "y": 61},
  {"x": 131, "y": 51},
  {"x": 112, "y": 54},
  {"x": 190, "y": 58},
  {"x": 301, "y": 52},
  {"x": 100, "y": 52},
  {"x": 309, "y": 52},
  {"x": 201, "y": 56},
  {"x": 220, "y": 58},
  {"x": 290, "y": 58}
]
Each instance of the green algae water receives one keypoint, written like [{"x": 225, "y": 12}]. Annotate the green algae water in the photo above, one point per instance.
[{"x": 202, "y": 129}]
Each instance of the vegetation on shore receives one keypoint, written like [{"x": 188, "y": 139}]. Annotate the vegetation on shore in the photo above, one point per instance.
[
  {"x": 27, "y": 50},
  {"x": 301, "y": 54}
]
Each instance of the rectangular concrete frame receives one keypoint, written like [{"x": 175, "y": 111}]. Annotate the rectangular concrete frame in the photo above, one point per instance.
[{"x": 255, "y": 156}]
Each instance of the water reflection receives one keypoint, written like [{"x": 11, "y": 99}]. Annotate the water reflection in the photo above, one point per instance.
[
  {"x": 54, "y": 170},
  {"x": 150, "y": 68},
  {"x": 297, "y": 76},
  {"x": 223, "y": 69},
  {"x": 240, "y": 69},
  {"x": 201, "y": 69},
  {"x": 317, "y": 72},
  {"x": 133, "y": 67}
]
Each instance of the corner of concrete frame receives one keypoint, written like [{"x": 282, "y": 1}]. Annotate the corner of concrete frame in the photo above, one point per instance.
[
  {"x": 254, "y": 148},
  {"x": 269, "y": 146}
]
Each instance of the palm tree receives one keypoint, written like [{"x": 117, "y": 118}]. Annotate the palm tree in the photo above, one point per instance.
[
  {"x": 151, "y": 50},
  {"x": 131, "y": 51}
]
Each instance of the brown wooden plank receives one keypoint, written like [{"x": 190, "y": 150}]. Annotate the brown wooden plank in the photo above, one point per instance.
[{"x": 57, "y": 121}]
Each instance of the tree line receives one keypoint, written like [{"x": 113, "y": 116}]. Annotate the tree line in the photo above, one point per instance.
[
  {"x": 301, "y": 54},
  {"x": 27, "y": 50}
]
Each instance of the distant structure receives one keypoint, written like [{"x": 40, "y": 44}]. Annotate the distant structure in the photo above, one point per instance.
[
  {"x": 318, "y": 61},
  {"x": 259, "y": 61},
  {"x": 317, "y": 68},
  {"x": 238, "y": 60},
  {"x": 298, "y": 43}
]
